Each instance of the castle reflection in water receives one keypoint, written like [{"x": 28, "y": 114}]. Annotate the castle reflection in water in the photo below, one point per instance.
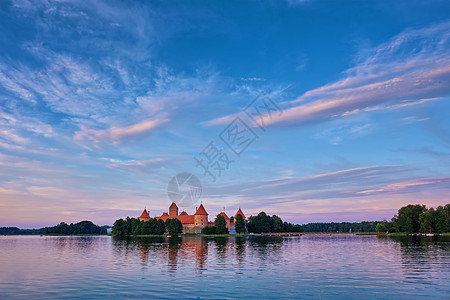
[{"x": 179, "y": 251}]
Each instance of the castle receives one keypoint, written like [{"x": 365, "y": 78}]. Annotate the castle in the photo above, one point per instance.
[{"x": 192, "y": 223}]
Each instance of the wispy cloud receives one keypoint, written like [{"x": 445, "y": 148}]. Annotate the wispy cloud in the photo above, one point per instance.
[
  {"x": 337, "y": 134},
  {"x": 13, "y": 128},
  {"x": 116, "y": 134},
  {"x": 410, "y": 69},
  {"x": 343, "y": 185},
  {"x": 349, "y": 194},
  {"x": 144, "y": 167},
  {"x": 396, "y": 74},
  {"x": 408, "y": 185}
]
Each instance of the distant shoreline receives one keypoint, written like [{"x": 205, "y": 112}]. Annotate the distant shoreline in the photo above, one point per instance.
[{"x": 242, "y": 235}]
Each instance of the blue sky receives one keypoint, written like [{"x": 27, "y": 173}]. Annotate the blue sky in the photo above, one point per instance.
[{"x": 102, "y": 102}]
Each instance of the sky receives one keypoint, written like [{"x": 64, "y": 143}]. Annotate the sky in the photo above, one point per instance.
[{"x": 315, "y": 111}]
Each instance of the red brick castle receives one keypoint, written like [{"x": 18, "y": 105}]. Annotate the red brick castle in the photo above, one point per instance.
[{"x": 192, "y": 223}]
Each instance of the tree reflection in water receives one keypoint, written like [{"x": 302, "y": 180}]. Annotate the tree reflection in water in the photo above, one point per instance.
[
  {"x": 228, "y": 251},
  {"x": 421, "y": 256}
]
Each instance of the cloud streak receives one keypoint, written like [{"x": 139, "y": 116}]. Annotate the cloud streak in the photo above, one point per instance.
[
  {"x": 144, "y": 167},
  {"x": 353, "y": 184},
  {"x": 408, "y": 186},
  {"x": 116, "y": 134},
  {"x": 397, "y": 74}
]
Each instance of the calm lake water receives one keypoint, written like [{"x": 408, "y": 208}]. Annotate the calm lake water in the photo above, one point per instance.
[{"x": 310, "y": 266}]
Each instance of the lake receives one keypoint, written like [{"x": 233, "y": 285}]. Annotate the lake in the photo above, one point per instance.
[{"x": 309, "y": 266}]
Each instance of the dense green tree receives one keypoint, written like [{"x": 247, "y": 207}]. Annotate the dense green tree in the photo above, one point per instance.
[
  {"x": 150, "y": 226},
  {"x": 123, "y": 228},
  {"x": 442, "y": 219},
  {"x": 435, "y": 220},
  {"x": 381, "y": 227},
  {"x": 174, "y": 226},
  {"x": 119, "y": 228},
  {"x": 427, "y": 221},
  {"x": 392, "y": 226},
  {"x": 416, "y": 218},
  {"x": 408, "y": 218},
  {"x": 83, "y": 227},
  {"x": 260, "y": 223},
  {"x": 209, "y": 230},
  {"x": 240, "y": 224},
  {"x": 289, "y": 227},
  {"x": 138, "y": 228},
  {"x": 221, "y": 225},
  {"x": 128, "y": 226},
  {"x": 135, "y": 225},
  {"x": 160, "y": 227},
  {"x": 62, "y": 228},
  {"x": 277, "y": 224},
  {"x": 446, "y": 215},
  {"x": 147, "y": 228}
]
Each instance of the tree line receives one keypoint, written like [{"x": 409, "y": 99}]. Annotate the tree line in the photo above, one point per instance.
[
  {"x": 263, "y": 223},
  {"x": 410, "y": 219},
  {"x": 134, "y": 226},
  {"x": 417, "y": 218},
  {"x": 83, "y": 227},
  {"x": 18, "y": 231},
  {"x": 364, "y": 226}
]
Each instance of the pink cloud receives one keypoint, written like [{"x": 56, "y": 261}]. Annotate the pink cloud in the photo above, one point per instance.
[
  {"x": 115, "y": 134},
  {"x": 394, "y": 76},
  {"x": 145, "y": 166},
  {"x": 395, "y": 187}
]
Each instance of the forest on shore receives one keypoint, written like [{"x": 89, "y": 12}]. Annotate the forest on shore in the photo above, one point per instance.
[
  {"x": 83, "y": 227},
  {"x": 413, "y": 218},
  {"x": 416, "y": 218}
]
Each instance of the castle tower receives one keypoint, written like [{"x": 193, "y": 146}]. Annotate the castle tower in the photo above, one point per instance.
[
  {"x": 201, "y": 216},
  {"x": 239, "y": 212},
  {"x": 173, "y": 210},
  {"x": 144, "y": 216}
]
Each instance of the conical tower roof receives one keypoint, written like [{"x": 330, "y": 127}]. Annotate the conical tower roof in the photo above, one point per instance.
[
  {"x": 239, "y": 212},
  {"x": 201, "y": 210},
  {"x": 224, "y": 215},
  {"x": 145, "y": 214}
]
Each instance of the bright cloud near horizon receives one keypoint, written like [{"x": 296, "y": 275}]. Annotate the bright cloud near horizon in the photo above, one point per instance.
[{"x": 103, "y": 102}]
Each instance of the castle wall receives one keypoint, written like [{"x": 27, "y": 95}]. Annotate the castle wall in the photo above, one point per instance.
[
  {"x": 201, "y": 220},
  {"x": 192, "y": 229}
]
